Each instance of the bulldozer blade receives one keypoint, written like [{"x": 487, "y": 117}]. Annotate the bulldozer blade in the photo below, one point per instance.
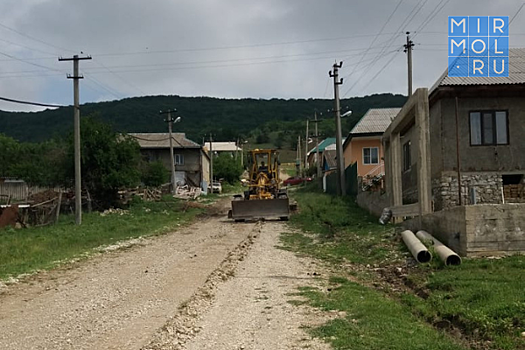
[{"x": 260, "y": 209}]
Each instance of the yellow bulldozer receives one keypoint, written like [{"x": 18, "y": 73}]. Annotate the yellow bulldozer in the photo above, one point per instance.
[{"x": 264, "y": 197}]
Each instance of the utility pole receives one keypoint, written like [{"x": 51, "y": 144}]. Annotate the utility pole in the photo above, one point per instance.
[
  {"x": 298, "y": 157},
  {"x": 341, "y": 190},
  {"x": 211, "y": 163},
  {"x": 170, "y": 122},
  {"x": 306, "y": 148},
  {"x": 76, "y": 116},
  {"x": 408, "y": 49},
  {"x": 317, "y": 147}
]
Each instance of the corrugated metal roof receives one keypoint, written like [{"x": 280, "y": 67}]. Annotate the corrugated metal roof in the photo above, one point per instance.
[
  {"x": 516, "y": 74},
  {"x": 375, "y": 120},
  {"x": 323, "y": 144},
  {"x": 162, "y": 140}
]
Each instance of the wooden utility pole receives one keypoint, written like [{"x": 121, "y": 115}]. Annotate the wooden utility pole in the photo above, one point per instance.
[
  {"x": 408, "y": 49},
  {"x": 211, "y": 163},
  {"x": 170, "y": 122},
  {"x": 306, "y": 148},
  {"x": 317, "y": 147},
  {"x": 76, "y": 116},
  {"x": 341, "y": 188},
  {"x": 298, "y": 157}
]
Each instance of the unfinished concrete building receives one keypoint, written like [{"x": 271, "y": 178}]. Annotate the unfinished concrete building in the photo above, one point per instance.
[{"x": 460, "y": 164}]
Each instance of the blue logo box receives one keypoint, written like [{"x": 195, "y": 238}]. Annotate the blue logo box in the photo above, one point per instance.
[{"x": 478, "y": 46}]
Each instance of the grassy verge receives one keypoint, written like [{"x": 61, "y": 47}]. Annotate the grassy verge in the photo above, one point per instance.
[
  {"x": 371, "y": 321},
  {"x": 480, "y": 302},
  {"x": 27, "y": 250}
]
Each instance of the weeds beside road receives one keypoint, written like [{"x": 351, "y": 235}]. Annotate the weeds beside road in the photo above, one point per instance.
[
  {"x": 27, "y": 250},
  {"x": 392, "y": 303}
]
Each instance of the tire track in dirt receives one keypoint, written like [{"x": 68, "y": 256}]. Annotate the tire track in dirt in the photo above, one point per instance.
[{"x": 117, "y": 300}]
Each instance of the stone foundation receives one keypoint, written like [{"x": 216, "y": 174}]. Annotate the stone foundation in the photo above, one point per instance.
[
  {"x": 477, "y": 230},
  {"x": 487, "y": 187}
]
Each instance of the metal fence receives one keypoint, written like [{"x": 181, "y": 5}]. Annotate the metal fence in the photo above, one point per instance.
[{"x": 350, "y": 180}]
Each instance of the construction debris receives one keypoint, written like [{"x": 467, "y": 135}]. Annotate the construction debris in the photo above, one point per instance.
[
  {"x": 147, "y": 194},
  {"x": 187, "y": 192},
  {"x": 112, "y": 211}
]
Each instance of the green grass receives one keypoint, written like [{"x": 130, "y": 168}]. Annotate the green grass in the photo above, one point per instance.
[
  {"x": 27, "y": 250},
  {"x": 372, "y": 321},
  {"x": 482, "y": 299},
  {"x": 343, "y": 231}
]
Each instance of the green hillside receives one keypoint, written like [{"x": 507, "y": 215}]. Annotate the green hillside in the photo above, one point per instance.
[{"x": 228, "y": 119}]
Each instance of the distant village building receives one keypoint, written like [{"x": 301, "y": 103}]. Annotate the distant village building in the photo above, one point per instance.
[
  {"x": 363, "y": 144},
  {"x": 192, "y": 163},
  {"x": 312, "y": 154}
]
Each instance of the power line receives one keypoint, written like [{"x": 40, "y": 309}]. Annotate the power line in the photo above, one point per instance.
[
  {"x": 217, "y": 48},
  {"x": 389, "y": 43},
  {"x": 431, "y": 16},
  {"x": 375, "y": 37},
  {"x": 381, "y": 70},
  {"x": 31, "y": 103},
  {"x": 26, "y": 62},
  {"x": 33, "y": 38},
  {"x": 105, "y": 68},
  {"x": 120, "y": 78}
]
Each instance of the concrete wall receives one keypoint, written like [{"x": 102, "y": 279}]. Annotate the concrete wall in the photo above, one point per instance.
[
  {"x": 481, "y": 158},
  {"x": 477, "y": 230},
  {"x": 374, "y": 202}
]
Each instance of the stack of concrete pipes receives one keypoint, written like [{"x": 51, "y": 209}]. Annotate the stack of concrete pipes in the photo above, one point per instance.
[{"x": 421, "y": 253}]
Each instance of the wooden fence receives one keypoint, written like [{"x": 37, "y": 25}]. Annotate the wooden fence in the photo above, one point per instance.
[{"x": 19, "y": 191}]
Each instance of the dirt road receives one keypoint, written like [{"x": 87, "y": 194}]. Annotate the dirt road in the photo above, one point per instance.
[{"x": 214, "y": 284}]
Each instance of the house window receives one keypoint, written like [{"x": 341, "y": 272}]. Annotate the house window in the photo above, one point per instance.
[
  {"x": 370, "y": 155},
  {"x": 407, "y": 162},
  {"x": 489, "y": 128},
  {"x": 179, "y": 159}
]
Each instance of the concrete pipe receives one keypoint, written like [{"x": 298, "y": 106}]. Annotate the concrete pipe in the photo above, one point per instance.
[
  {"x": 446, "y": 254},
  {"x": 418, "y": 250}
]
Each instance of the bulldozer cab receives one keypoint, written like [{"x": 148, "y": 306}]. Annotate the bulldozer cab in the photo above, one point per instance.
[{"x": 263, "y": 161}]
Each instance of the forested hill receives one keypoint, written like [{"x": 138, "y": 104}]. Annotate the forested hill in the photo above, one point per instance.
[{"x": 228, "y": 119}]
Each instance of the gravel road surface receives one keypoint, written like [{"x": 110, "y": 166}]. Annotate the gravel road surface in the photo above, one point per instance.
[{"x": 214, "y": 284}]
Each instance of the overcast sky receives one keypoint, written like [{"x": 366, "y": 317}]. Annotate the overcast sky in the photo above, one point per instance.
[{"x": 226, "y": 48}]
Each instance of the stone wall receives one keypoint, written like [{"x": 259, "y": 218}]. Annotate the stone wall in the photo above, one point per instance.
[{"x": 487, "y": 187}]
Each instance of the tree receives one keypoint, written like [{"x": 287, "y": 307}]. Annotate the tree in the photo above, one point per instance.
[
  {"x": 109, "y": 161},
  {"x": 154, "y": 173},
  {"x": 9, "y": 154},
  {"x": 225, "y": 166},
  {"x": 279, "y": 140},
  {"x": 41, "y": 164}
]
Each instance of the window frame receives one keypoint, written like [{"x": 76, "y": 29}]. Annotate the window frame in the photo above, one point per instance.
[
  {"x": 494, "y": 129},
  {"x": 370, "y": 148},
  {"x": 407, "y": 163},
  {"x": 180, "y": 158}
]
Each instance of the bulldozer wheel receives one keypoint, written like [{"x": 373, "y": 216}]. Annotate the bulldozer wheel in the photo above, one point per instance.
[{"x": 283, "y": 218}]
